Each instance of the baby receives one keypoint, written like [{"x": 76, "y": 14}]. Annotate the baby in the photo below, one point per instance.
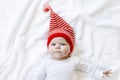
[{"x": 60, "y": 65}]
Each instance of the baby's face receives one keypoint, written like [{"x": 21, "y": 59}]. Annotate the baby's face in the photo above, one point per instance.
[{"x": 59, "y": 48}]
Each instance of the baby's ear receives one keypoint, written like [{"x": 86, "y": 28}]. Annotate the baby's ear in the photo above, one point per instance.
[{"x": 69, "y": 54}]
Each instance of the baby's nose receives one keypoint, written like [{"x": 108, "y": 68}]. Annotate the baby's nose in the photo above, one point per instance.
[{"x": 57, "y": 46}]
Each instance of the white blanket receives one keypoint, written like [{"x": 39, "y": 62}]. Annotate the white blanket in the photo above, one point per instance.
[{"x": 24, "y": 27}]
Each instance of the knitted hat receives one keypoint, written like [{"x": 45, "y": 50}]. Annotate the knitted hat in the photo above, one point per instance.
[{"x": 59, "y": 28}]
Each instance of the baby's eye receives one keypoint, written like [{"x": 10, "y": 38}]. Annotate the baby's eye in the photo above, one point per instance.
[
  {"x": 53, "y": 44},
  {"x": 63, "y": 44}
]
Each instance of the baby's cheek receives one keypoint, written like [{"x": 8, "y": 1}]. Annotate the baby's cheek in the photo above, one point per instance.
[
  {"x": 50, "y": 50},
  {"x": 67, "y": 50}
]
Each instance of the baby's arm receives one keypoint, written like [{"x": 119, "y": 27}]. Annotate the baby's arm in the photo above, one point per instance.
[{"x": 93, "y": 70}]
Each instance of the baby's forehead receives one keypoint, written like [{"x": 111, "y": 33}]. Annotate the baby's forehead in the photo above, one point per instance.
[{"x": 58, "y": 39}]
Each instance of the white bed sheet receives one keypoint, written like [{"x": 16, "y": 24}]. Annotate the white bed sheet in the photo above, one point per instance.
[{"x": 24, "y": 27}]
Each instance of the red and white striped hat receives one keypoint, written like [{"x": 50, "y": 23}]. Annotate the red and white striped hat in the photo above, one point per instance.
[{"x": 59, "y": 28}]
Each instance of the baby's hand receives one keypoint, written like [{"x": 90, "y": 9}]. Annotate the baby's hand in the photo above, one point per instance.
[{"x": 107, "y": 73}]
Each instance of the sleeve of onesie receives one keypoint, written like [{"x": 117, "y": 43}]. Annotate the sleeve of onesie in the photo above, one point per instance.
[
  {"x": 38, "y": 73},
  {"x": 94, "y": 70}
]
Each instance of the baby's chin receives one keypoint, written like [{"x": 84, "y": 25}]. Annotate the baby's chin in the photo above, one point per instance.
[{"x": 57, "y": 55}]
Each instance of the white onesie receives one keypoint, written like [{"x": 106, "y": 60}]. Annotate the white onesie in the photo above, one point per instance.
[{"x": 63, "y": 70}]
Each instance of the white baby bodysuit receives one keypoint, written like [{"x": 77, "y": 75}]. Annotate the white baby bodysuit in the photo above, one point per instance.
[{"x": 63, "y": 70}]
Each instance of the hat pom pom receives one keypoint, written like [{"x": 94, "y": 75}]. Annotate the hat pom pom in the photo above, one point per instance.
[{"x": 46, "y": 7}]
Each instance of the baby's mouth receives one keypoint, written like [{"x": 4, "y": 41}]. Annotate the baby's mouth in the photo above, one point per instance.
[{"x": 58, "y": 51}]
